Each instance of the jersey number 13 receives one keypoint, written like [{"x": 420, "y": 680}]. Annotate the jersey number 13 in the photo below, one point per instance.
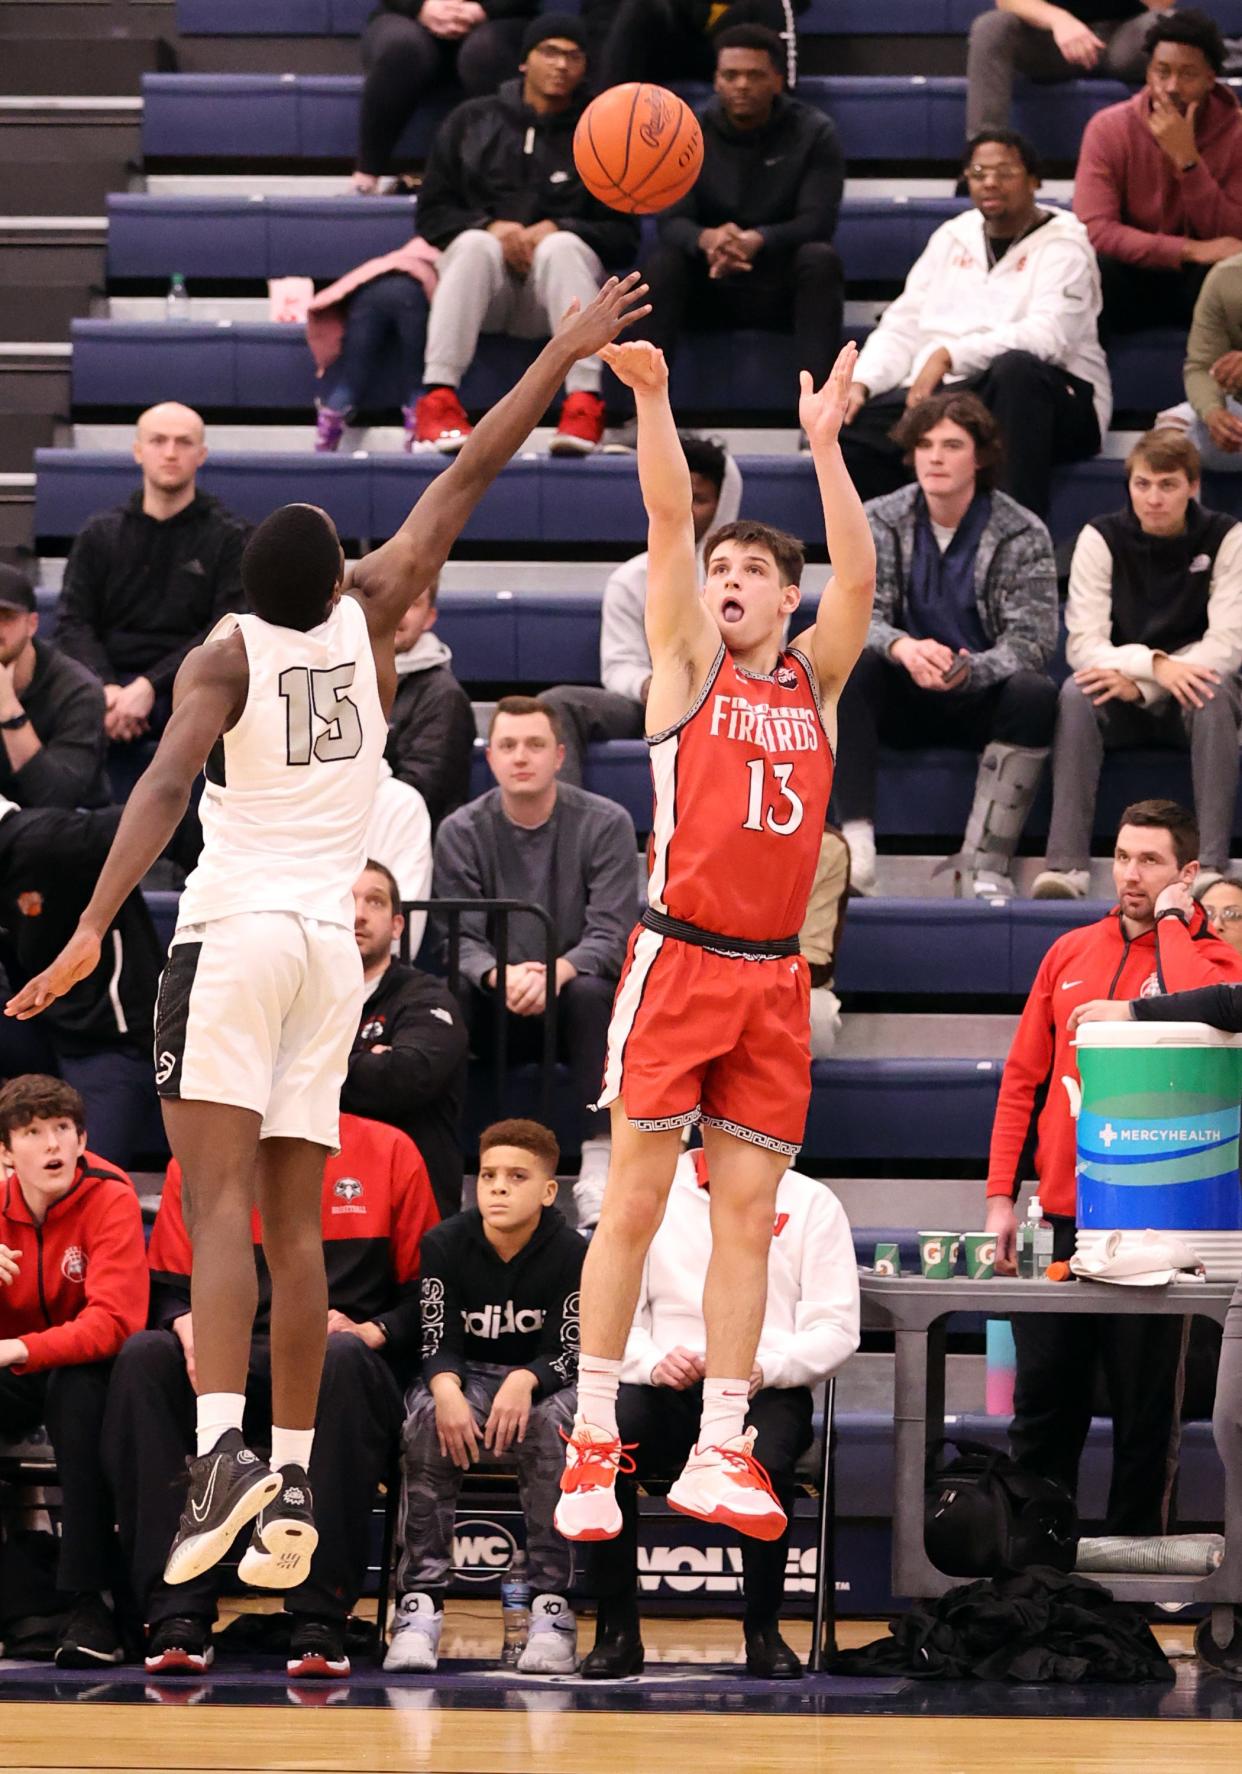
[
  {"x": 784, "y": 814},
  {"x": 320, "y": 694}
]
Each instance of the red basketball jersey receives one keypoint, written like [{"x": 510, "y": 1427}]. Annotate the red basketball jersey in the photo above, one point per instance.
[{"x": 741, "y": 795}]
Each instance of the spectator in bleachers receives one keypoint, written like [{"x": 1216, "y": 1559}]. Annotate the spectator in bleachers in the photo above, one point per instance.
[
  {"x": 535, "y": 839},
  {"x": 1155, "y": 940},
  {"x": 810, "y": 1329},
  {"x": 666, "y": 40},
  {"x": 522, "y": 237},
  {"x": 51, "y": 712},
  {"x": 399, "y": 838},
  {"x": 1222, "y": 907},
  {"x": 1212, "y": 412},
  {"x": 1155, "y": 641},
  {"x": 1004, "y": 300},
  {"x": 500, "y": 1361},
  {"x": 1047, "y": 42},
  {"x": 964, "y": 624},
  {"x": 750, "y": 245},
  {"x": 412, "y": 46},
  {"x": 377, "y": 1204},
  {"x": 73, "y": 1286},
  {"x": 1159, "y": 179},
  {"x": 408, "y": 1063},
  {"x": 431, "y": 727},
  {"x": 146, "y": 581}
]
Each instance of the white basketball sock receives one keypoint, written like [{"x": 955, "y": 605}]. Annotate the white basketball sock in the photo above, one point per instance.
[
  {"x": 217, "y": 1413},
  {"x": 598, "y": 1380},
  {"x": 725, "y": 1403},
  {"x": 291, "y": 1447}
]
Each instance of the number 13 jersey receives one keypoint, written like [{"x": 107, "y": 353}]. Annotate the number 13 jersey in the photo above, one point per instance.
[
  {"x": 742, "y": 784},
  {"x": 290, "y": 787}
]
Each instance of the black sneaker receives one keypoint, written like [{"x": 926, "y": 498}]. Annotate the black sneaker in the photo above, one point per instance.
[
  {"x": 228, "y": 1487},
  {"x": 180, "y": 1643},
  {"x": 284, "y": 1538},
  {"x": 317, "y": 1649},
  {"x": 1224, "y": 1659},
  {"x": 90, "y": 1636}
]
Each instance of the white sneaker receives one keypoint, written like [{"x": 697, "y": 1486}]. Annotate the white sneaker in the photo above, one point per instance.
[
  {"x": 987, "y": 884},
  {"x": 859, "y": 835},
  {"x": 727, "y": 1485},
  {"x": 588, "y": 1507},
  {"x": 592, "y": 1176},
  {"x": 415, "y": 1642},
  {"x": 825, "y": 1021},
  {"x": 552, "y": 1643},
  {"x": 1062, "y": 884}
]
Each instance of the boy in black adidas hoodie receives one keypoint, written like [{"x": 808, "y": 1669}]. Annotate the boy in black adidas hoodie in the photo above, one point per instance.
[{"x": 500, "y": 1360}]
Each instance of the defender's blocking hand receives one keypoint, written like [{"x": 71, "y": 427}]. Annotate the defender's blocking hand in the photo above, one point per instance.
[{"x": 585, "y": 331}]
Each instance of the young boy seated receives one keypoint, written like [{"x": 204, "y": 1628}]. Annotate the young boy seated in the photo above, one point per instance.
[
  {"x": 73, "y": 1286},
  {"x": 500, "y": 1357}
]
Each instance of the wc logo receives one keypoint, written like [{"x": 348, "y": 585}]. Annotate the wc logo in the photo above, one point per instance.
[{"x": 482, "y": 1550}]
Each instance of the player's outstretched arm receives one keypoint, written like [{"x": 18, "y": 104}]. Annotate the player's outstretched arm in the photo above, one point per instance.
[
  {"x": 389, "y": 580},
  {"x": 845, "y": 609},
  {"x": 208, "y": 696}
]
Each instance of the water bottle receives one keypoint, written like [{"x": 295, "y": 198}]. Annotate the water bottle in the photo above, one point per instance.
[
  {"x": 1026, "y": 1240},
  {"x": 1042, "y": 1241},
  {"x": 177, "y": 301},
  {"x": 515, "y": 1609}
]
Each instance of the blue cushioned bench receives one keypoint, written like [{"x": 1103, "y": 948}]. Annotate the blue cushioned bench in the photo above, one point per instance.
[{"x": 951, "y": 945}]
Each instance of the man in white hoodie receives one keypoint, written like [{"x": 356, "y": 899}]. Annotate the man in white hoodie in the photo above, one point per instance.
[
  {"x": 1004, "y": 300},
  {"x": 431, "y": 728},
  {"x": 810, "y": 1329}
]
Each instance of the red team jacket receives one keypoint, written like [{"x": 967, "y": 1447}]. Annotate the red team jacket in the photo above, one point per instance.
[
  {"x": 81, "y": 1288},
  {"x": 1095, "y": 962}
]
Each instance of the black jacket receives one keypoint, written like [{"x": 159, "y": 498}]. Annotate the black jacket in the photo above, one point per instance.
[
  {"x": 65, "y": 703},
  {"x": 523, "y": 1313},
  {"x": 139, "y": 592},
  {"x": 496, "y": 160},
  {"x": 431, "y": 738},
  {"x": 419, "y": 1086},
  {"x": 785, "y": 179}
]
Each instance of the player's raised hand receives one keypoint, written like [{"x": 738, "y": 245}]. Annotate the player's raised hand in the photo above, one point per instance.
[
  {"x": 821, "y": 412},
  {"x": 79, "y": 957},
  {"x": 639, "y": 364},
  {"x": 586, "y": 330}
]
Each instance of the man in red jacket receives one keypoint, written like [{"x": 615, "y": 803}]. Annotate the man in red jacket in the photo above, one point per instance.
[
  {"x": 73, "y": 1286},
  {"x": 1159, "y": 179},
  {"x": 1155, "y": 940}
]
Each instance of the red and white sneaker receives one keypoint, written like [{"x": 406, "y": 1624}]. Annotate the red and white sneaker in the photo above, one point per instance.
[
  {"x": 580, "y": 428},
  {"x": 440, "y": 419},
  {"x": 588, "y": 1507},
  {"x": 727, "y": 1485}
]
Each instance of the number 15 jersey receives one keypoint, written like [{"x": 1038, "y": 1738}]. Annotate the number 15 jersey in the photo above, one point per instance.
[
  {"x": 290, "y": 787},
  {"x": 741, "y": 795}
]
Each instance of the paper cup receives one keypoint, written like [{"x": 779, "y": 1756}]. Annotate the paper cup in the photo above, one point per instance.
[
  {"x": 981, "y": 1255},
  {"x": 936, "y": 1254},
  {"x": 887, "y": 1259}
]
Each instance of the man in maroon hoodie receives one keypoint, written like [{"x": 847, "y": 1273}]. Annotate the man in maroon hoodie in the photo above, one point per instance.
[
  {"x": 1155, "y": 940},
  {"x": 1159, "y": 180},
  {"x": 73, "y": 1286}
]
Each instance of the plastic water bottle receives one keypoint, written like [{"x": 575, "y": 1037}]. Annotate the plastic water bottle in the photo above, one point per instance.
[
  {"x": 1042, "y": 1241},
  {"x": 177, "y": 301},
  {"x": 1026, "y": 1240},
  {"x": 515, "y": 1609}
]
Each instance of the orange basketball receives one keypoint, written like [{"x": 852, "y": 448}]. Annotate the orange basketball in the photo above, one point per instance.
[{"x": 638, "y": 148}]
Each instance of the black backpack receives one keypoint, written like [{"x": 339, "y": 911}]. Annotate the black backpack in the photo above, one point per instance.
[{"x": 985, "y": 1517}]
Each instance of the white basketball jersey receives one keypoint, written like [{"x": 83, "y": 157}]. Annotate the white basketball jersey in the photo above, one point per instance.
[{"x": 290, "y": 787}]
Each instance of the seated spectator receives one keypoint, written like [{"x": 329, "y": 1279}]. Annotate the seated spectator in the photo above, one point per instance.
[
  {"x": 73, "y": 1286},
  {"x": 1048, "y": 42},
  {"x": 1221, "y": 900},
  {"x": 377, "y": 1204},
  {"x": 1212, "y": 413},
  {"x": 431, "y": 728},
  {"x": 399, "y": 838},
  {"x": 1159, "y": 179},
  {"x": 1016, "y": 327},
  {"x": 750, "y": 245},
  {"x": 810, "y": 1328},
  {"x": 51, "y": 712},
  {"x": 412, "y": 46},
  {"x": 500, "y": 1361},
  {"x": 408, "y": 1063},
  {"x": 1155, "y": 641},
  {"x": 522, "y": 237},
  {"x": 547, "y": 843},
  {"x": 963, "y": 627},
  {"x": 666, "y": 40},
  {"x": 146, "y": 581},
  {"x": 586, "y": 714}
]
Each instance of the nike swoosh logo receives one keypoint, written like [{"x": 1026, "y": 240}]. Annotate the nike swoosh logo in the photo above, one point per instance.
[
  {"x": 202, "y": 1514},
  {"x": 1067, "y": 985}
]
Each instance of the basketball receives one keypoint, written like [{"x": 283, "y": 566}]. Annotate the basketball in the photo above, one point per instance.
[{"x": 638, "y": 148}]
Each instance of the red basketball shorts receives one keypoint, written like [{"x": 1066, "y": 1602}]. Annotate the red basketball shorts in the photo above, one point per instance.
[{"x": 700, "y": 1036}]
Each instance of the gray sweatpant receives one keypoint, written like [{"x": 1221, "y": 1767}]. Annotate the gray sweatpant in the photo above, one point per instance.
[
  {"x": 477, "y": 293},
  {"x": 1002, "y": 45},
  {"x": 1085, "y": 732},
  {"x": 432, "y": 1482},
  {"x": 587, "y": 714}
]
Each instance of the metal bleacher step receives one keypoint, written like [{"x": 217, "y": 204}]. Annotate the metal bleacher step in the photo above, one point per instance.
[
  {"x": 919, "y": 1035},
  {"x": 915, "y": 877}
]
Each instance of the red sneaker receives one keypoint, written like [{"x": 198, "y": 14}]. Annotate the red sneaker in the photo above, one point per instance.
[
  {"x": 440, "y": 419},
  {"x": 728, "y": 1486},
  {"x": 581, "y": 426}
]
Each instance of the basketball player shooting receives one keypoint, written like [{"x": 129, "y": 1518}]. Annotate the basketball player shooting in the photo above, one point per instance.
[
  {"x": 711, "y": 1020},
  {"x": 286, "y": 710}
]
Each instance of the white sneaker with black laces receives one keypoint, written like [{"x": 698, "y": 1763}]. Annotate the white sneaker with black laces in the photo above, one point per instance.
[
  {"x": 552, "y": 1643},
  {"x": 415, "y": 1642},
  {"x": 228, "y": 1488},
  {"x": 284, "y": 1538}
]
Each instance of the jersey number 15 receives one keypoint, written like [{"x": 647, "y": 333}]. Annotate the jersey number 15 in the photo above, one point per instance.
[{"x": 309, "y": 694}]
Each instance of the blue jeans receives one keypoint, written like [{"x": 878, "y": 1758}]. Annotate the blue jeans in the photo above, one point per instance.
[{"x": 392, "y": 308}]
